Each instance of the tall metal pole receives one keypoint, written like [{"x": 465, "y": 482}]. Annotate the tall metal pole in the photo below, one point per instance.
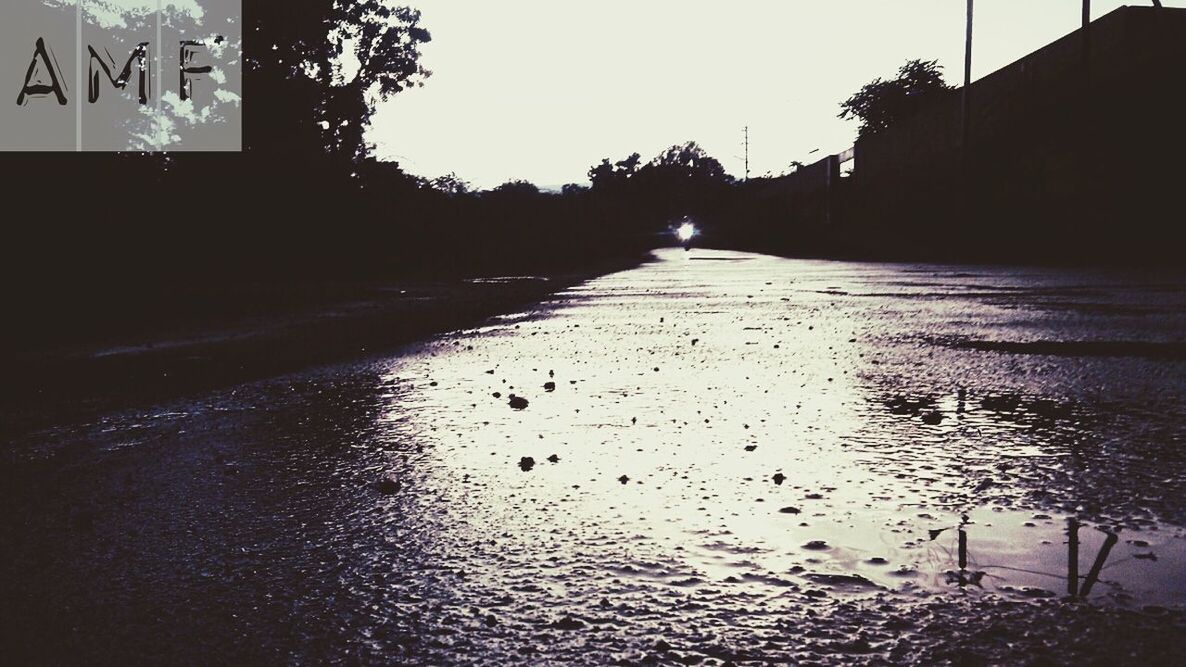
[
  {"x": 968, "y": 45},
  {"x": 1087, "y": 169},
  {"x": 965, "y": 180},
  {"x": 964, "y": 103}
]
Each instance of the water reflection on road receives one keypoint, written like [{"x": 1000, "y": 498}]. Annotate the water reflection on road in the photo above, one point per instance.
[
  {"x": 722, "y": 418},
  {"x": 716, "y": 441}
]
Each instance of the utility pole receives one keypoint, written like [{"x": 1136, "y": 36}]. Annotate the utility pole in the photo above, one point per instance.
[
  {"x": 965, "y": 178},
  {"x": 747, "y": 153},
  {"x": 1087, "y": 118},
  {"x": 964, "y": 103},
  {"x": 1087, "y": 42}
]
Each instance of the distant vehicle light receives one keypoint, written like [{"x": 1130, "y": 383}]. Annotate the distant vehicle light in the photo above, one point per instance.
[{"x": 686, "y": 231}]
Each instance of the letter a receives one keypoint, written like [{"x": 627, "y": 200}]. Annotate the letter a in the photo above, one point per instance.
[{"x": 39, "y": 89}]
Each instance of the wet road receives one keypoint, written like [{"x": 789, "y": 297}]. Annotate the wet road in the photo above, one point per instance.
[{"x": 720, "y": 456}]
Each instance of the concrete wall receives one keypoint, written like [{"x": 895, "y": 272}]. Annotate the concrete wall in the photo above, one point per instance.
[
  {"x": 805, "y": 198},
  {"x": 1063, "y": 150}
]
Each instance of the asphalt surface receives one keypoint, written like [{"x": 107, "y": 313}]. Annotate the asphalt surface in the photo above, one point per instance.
[{"x": 715, "y": 457}]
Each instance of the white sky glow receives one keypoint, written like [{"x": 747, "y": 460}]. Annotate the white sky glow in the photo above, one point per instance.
[{"x": 542, "y": 90}]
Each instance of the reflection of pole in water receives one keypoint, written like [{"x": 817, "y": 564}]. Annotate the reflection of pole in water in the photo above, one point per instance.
[
  {"x": 1073, "y": 557},
  {"x": 1094, "y": 574},
  {"x": 963, "y": 578},
  {"x": 1073, "y": 589}
]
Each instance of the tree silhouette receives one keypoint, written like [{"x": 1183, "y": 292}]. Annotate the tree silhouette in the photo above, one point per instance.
[
  {"x": 690, "y": 160},
  {"x": 317, "y": 70},
  {"x": 879, "y": 104},
  {"x": 374, "y": 52},
  {"x": 519, "y": 188},
  {"x": 450, "y": 184},
  {"x": 606, "y": 175}
]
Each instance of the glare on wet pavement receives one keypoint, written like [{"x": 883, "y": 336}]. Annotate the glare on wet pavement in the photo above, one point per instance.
[
  {"x": 710, "y": 449},
  {"x": 703, "y": 375}
]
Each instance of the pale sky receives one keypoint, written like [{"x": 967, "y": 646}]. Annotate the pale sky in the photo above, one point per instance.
[{"x": 542, "y": 90}]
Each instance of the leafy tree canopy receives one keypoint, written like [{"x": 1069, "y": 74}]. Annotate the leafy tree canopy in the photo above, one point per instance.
[
  {"x": 879, "y": 104},
  {"x": 608, "y": 175},
  {"x": 682, "y": 162},
  {"x": 691, "y": 160},
  {"x": 450, "y": 184},
  {"x": 518, "y": 187},
  {"x": 336, "y": 57}
]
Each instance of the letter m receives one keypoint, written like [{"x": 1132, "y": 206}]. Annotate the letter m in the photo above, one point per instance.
[{"x": 139, "y": 56}]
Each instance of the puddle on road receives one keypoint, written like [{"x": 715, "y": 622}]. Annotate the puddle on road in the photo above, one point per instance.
[
  {"x": 743, "y": 458},
  {"x": 1012, "y": 553},
  {"x": 763, "y": 433}
]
